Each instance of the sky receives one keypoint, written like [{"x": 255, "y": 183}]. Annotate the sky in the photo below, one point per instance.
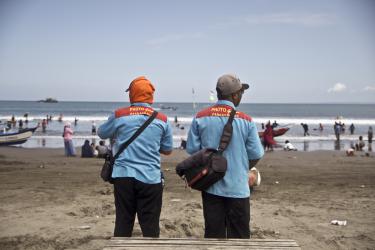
[{"x": 289, "y": 51}]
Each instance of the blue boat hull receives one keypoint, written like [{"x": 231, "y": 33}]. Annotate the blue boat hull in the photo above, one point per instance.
[{"x": 15, "y": 138}]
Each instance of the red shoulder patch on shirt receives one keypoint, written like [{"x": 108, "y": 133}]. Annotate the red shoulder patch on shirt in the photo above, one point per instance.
[
  {"x": 204, "y": 112},
  {"x": 162, "y": 117},
  {"x": 139, "y": 110},
  {"x": 221, "y": 110},
  {"x": 244, "y": 116},
  {"x": 122, "y": 112},
  {"x": 217, "y": 110}
]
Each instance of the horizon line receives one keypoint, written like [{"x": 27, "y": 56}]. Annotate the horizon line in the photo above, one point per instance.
[{"x": 161, "y": 102}]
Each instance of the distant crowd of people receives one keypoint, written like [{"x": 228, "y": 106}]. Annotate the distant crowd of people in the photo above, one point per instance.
[
  {"x": 268, "y": 141},
  {"x": 12, "y": 123},
  {"x": 87, "y": 150},
  {"x": 339, "y": 128},
  {"x": 92, "y": 150}
]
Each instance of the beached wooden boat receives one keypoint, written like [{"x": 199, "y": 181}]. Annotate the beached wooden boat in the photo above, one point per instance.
[
  {"x": 276, "y": 132},
  {"x": 12, "y": 138}
]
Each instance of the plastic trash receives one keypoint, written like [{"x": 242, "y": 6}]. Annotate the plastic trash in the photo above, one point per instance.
[{"x": 339, "y": 222}]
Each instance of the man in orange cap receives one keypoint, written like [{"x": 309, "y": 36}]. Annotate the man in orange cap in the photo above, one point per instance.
[
  {"x": 141, "y": 90},
  {"x": 136, "y": 173}
]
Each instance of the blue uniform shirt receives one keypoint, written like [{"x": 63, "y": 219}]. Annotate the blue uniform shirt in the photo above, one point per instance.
[
  {"x": 141, "y": 159},
  {"x": 245, "y": 145}
]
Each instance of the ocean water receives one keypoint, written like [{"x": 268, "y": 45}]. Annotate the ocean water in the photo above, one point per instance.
[{"x": 288, "y": 115}]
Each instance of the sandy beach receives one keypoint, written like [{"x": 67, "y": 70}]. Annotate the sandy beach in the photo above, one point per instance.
[{"x": 49, "y": 201}]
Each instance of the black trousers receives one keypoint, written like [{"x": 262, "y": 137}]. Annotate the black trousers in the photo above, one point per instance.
[
  {"x": 226, "y": 217},
  {"x": 134, "y": 197}
]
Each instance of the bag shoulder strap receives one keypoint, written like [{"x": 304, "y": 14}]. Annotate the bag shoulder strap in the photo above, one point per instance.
[
  {"x": 226, "y": 136},
  {"x": 135, "y": 135}
]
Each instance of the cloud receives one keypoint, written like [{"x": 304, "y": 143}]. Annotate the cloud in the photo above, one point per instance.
[
  {"x": 338, "y": 87},
  {"x": 315, "y": 19},
  {"x": 369, "y": 88},
  {"x": 173, "y": 38}
]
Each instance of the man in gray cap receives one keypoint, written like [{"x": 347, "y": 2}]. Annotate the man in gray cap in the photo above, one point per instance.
[{"x": 226, "y": 204}]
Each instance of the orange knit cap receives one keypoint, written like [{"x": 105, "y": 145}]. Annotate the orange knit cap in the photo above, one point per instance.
[{"x": 141, "y": 90}]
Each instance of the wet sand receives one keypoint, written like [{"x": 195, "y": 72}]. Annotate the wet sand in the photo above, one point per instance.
[{"x": 49, "y": 201}]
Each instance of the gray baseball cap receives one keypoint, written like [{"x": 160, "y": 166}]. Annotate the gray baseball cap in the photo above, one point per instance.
[{"x": 229, "y": 84}]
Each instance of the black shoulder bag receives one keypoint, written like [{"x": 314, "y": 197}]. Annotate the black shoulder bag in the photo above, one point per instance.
[
  {"x": 107, "y": 168},
  {"x": 207, "y": 166}
]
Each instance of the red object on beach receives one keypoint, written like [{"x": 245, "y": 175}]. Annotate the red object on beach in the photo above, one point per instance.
[{"x": 276, "y": 132}]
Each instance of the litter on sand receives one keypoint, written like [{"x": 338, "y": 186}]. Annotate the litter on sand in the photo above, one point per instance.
[
  {"x": 338, "y": 222},
  {"x": 84, "y": 227},
  {"x": 175, "y": 200}
]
